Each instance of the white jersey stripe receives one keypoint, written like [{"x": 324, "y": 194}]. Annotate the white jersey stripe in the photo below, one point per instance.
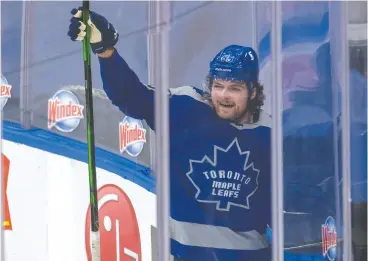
[{"x": 200, "y": 235}]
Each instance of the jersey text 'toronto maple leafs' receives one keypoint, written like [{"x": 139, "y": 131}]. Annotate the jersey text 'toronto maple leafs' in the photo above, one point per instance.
[{"x": 221, "y": 182}]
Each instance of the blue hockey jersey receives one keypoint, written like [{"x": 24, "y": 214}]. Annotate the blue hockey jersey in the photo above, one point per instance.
[{"x": 220, "y": 171}]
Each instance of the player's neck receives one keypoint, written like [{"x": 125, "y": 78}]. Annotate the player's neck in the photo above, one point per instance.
[{"x": 247, "y": 118}]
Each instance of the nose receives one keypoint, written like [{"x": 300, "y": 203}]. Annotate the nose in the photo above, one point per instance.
[{"x": 225, "y": 94}]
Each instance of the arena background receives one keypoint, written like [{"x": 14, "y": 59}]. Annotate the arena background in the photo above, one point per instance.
[{"x": 38, "y": 59}]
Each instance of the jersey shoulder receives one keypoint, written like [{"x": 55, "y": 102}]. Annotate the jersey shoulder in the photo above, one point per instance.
[
  {"x": 189, "y": 105},
  {"x": 265, "y": 120},
  {"x": 262, "y": 125},
  {"x": 190, "y": 94}
]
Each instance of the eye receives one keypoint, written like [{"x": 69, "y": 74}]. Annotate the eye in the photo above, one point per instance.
[
  {"x": 216, "y": 86},
  {"x": 236, "y": 88}
]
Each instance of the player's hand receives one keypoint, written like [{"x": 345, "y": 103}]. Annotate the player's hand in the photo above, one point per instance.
[{"x": 103, "y": 33}]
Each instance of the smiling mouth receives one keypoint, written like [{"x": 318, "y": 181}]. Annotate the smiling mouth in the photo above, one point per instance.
[{"x": 226, "y": 105}]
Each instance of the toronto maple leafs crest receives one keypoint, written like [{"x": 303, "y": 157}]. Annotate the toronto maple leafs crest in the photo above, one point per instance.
[{"x": 229, "y": 179}]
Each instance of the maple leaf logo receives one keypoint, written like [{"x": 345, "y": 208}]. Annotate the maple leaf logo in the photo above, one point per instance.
[{"x": 230, "y": 179}]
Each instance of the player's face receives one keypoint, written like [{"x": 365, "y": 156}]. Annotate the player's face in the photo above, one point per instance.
[{"x": 230, "y": 99}]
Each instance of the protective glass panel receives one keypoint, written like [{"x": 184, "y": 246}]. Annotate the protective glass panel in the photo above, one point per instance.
[
  {"x": 311, "y": 149},
  {"x": 357, "y": 44},
  {"x": 220, "y": 160},
  {"x": 15, "y": 157},
  {"x": 44, "y": 147},
  {"x": 262, "y": 43},
  {"x": 11, "y": 78},
  {"x": 55, "y": 63},
  {"x": 197, "y": 34}
]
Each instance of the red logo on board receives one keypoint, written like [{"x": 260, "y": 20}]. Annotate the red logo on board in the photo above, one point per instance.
[
  {"x": 7, "y": 219},
  {"x": 119, "y": 231}
]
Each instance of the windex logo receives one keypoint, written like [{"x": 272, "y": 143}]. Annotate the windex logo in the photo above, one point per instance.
[
  {"x": 64, "y": 111},
  {"x": 329, "y": 239},
  {"x": 5, "y": 91},
  {"x": 132, "y": 136}
]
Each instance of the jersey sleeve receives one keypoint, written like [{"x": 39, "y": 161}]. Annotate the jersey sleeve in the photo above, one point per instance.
[
  {"x": 135, "y": 99},
  {"x": 125, "y": 90}
]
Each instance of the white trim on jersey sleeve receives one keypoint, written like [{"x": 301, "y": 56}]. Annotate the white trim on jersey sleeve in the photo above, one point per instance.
[
  {"x": 149, "y": 87},
  {"x": 202, "y": 235},
  {"x": 187, "y": 91}
]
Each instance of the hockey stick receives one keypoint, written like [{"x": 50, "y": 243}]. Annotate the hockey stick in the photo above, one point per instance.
[{"x": 95, "y": 234}]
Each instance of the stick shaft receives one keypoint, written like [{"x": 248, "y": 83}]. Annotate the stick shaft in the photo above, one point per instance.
[{"x": 90, "y": 122}]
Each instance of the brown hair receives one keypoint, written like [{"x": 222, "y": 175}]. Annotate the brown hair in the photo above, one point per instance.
[{"x": 255, "y": 105}]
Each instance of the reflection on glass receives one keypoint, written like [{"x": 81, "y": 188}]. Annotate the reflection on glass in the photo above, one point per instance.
[
  {"x": 11, "y": 35},
  {"x": 219, "y": 141},
  {"x": 56, "y": 77},
  {"x": 309, "y": 120},
  {"x": 357, "y": 36}
]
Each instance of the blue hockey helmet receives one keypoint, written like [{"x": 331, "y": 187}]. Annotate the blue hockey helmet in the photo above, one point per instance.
[{"x": 235, "y": 63}]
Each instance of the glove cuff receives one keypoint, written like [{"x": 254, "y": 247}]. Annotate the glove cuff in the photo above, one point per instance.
[{"x": 109, "y": 39}]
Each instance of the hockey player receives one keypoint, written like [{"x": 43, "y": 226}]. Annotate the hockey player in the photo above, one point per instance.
[{"x": 219, "y": 148}]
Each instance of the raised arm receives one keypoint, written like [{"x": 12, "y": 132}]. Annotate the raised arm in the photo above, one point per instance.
[
  {"x": 120, "y": 82},
  {"x": 124, "y": 88}
]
